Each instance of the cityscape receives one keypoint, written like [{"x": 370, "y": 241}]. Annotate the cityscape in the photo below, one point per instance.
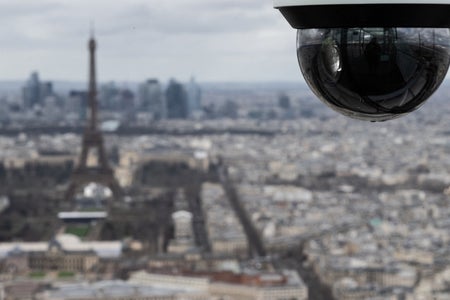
[
  {"x": 228, "y": 191},
  {"x": 216, "y": 190}
]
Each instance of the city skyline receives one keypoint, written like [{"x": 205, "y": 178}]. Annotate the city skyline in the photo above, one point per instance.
[{"x": 220, "y": 41}]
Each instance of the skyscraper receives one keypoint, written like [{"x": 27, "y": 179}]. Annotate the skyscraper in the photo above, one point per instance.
[
  {"x": 109, "y": 96},
  {"x": 127, "y": 105},
  {"x": 78, "y": 103},
  {"x": 31, "y": 91},
  {"x": 194, "y": 94},
  {"x": 151, "y": 99},
  {"x": 34, "y": 92},
  {"x": 177, "y": 101}
]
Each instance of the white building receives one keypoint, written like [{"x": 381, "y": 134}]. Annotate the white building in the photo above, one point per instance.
[
  {"x": 68, "y": 243},
  {"x": 184, "y": 238},
  {"x": 288, "y": 286}
]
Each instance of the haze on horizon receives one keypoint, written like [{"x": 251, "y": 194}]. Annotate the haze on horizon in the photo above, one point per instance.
[{"x": 220, "y": 40}]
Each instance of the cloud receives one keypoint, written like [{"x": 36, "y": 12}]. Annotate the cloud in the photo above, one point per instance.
[{"x": 216, "y": 40}]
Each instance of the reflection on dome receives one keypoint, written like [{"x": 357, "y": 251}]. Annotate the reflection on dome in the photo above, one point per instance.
[{"x": 374, "y": 74}]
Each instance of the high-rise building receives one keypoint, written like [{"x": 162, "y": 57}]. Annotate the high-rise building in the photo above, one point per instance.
[
  {"x": 34, "y": 92},
  {"x": 77, "y": 103},
  {"x": 151, "y": 99},
  {"x": 177, "y": 101},
  {"x": 194, "y": 94},
  {"x": 109, "y": 96},
  {"x": 4, "y": 118},
  {"x": 46, "y": 90},
  {"x": 51, "y": 109},
  {"x": 31, "y": 91},
  {"x": 127, "y": 105}
]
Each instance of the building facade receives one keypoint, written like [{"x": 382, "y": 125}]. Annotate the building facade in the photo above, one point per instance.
[
  {"x": 177, "y": 101},
  {"x": 194, "y": 94},
  {"x": 151, "y": 99}
]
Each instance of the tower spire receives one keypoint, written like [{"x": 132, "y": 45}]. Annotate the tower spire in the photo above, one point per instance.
[{"x": 93, "y": 104}]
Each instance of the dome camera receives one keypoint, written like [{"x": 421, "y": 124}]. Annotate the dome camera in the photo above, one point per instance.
[{"x": 371, "y": 60}]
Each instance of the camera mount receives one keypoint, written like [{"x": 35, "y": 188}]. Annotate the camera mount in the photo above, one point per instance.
[{"x": 369, "y": 13}]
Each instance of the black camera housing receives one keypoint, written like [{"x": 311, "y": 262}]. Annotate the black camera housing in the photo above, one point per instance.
[
  {"x": 303, "y": 14},
  {"x": 371, "y": 60}
]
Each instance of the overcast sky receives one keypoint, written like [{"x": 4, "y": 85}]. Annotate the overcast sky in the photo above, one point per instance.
[{"x": 213, "y": 40}]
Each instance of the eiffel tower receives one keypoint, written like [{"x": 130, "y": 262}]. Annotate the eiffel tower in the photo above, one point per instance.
[{"x": 102, "y": 173}]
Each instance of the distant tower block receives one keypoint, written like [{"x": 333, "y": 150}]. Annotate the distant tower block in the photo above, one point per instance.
[{"x": 100, "y": 172}]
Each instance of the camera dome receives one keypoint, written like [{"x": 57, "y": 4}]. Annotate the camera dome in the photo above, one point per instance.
[{"x": 374, "y": 74}]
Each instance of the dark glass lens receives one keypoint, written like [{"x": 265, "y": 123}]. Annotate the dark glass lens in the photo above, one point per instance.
[{"x": 374, "y": 74}]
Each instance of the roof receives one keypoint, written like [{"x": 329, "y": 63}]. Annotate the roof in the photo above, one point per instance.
[
  {"x": 107, "y": 289},
  {"x": 83, "y": 215},
  {"x": 68, "y": 243},
  {"x": 14, "y": 247},
  {"x": 182, "y": 214}
]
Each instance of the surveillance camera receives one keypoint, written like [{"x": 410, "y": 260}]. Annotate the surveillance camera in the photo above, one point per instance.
[{"x": 371, "y": 60}]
